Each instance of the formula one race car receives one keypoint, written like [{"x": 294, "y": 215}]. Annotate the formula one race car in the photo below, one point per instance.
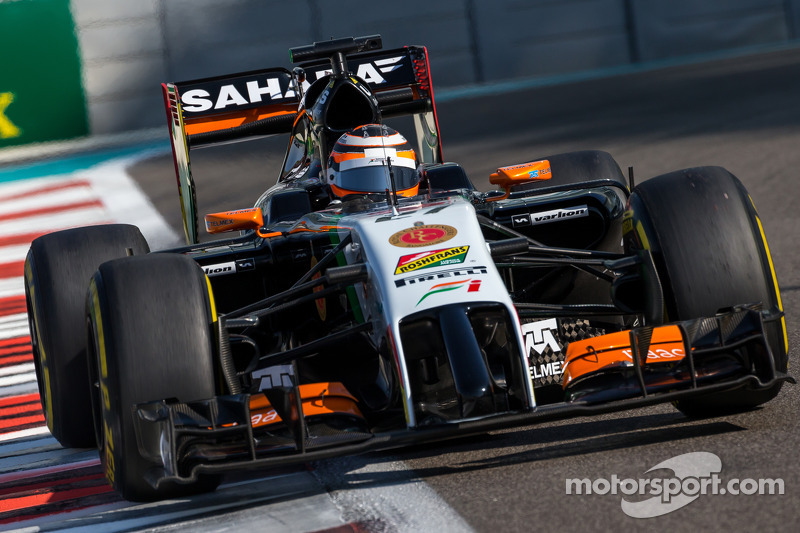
[{"x": 374, "y": 298}]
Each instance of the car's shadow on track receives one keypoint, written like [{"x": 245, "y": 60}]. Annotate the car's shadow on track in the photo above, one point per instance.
[{"x": 486, "y": 451}]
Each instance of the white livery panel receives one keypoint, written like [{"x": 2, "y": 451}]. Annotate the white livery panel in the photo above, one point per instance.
[{"x": 428, "y": 255}]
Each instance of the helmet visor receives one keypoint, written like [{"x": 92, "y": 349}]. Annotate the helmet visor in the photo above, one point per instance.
[{"x": 375, "y": 178}]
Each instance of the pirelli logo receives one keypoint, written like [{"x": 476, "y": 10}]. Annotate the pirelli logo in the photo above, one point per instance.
[
  {"x": 431, "y": 258},
  {"x": 441, "y": 274}
]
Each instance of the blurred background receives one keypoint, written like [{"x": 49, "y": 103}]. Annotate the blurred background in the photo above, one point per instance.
[{"x": 72, "y": 68}]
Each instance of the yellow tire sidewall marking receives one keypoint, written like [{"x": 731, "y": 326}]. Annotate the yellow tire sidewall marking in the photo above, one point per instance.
[
  {"x": 211, "y": 301},
  {"x": 774, "y": 281},
  {"x": 108, "y": 441},
  {"x": 48, "y": 400}
]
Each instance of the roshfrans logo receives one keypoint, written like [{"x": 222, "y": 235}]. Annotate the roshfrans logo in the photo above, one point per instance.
[
  {"x": 546, "y": 217},
  {"x": 430, "y": 259}
]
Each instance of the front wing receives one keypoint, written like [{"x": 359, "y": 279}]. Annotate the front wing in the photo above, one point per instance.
[{"x": 183, "y": 441}]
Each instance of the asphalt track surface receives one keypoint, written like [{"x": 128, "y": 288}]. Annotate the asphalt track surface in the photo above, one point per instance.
[{"x": 740, "y": 113}]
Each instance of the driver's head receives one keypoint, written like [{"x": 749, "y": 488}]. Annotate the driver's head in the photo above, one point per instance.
[{"x": 359, "y": 162}]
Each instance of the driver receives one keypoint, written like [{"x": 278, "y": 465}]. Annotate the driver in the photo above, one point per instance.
[{"x": 361, "y": 160}]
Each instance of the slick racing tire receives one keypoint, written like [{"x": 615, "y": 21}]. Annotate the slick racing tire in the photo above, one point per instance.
[
  {"x": 150, "y": 322},
  {"x": 710, "y": 253},
  {"x": 57, "y": 272}
]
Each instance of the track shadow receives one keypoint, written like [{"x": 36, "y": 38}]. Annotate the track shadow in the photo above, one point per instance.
[{"x": 546, "y": 444}]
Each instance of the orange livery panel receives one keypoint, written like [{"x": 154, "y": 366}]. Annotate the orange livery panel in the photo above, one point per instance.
[
  {"x": 613, "y": 351},
  {"x": 318, "y": 399}
]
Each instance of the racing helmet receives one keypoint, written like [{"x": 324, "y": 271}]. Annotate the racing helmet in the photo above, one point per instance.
[{"x": 360, "y": 160}]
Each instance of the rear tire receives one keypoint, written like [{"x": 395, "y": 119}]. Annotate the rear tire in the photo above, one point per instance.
[
  {"x": 710, "y": 253},
  {"x": 57, "y": 271},
  {"x": 151, "y": 331}
]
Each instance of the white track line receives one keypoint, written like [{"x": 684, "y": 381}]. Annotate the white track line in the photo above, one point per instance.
[
  {"x": 15, "y": 435},
  {"x": 14, "y": 325},
  {"x": 14, "y": 252},
  {"x": 48, "y": 200},
  {"x": 11, "y": 287}
]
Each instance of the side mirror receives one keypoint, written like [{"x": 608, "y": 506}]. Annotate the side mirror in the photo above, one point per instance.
[
  {"x": 507, "y": 177},
  {"x": 241, "y": 219}
]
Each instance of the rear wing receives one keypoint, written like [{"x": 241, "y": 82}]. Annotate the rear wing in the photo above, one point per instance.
[{"x": 266, "y": 102}]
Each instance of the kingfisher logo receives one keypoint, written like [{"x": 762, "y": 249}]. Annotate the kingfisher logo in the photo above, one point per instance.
[
  {"x": 472, "y": 285},
  {"x": 431, "y": 259},
  {"x": 423, "y": 235}
]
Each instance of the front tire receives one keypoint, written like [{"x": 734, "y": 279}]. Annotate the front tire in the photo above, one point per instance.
[
  {"x": 57, "y": 271},
  {"x": 151, "y": 332},
  {"x": 711, "y": 253}
]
